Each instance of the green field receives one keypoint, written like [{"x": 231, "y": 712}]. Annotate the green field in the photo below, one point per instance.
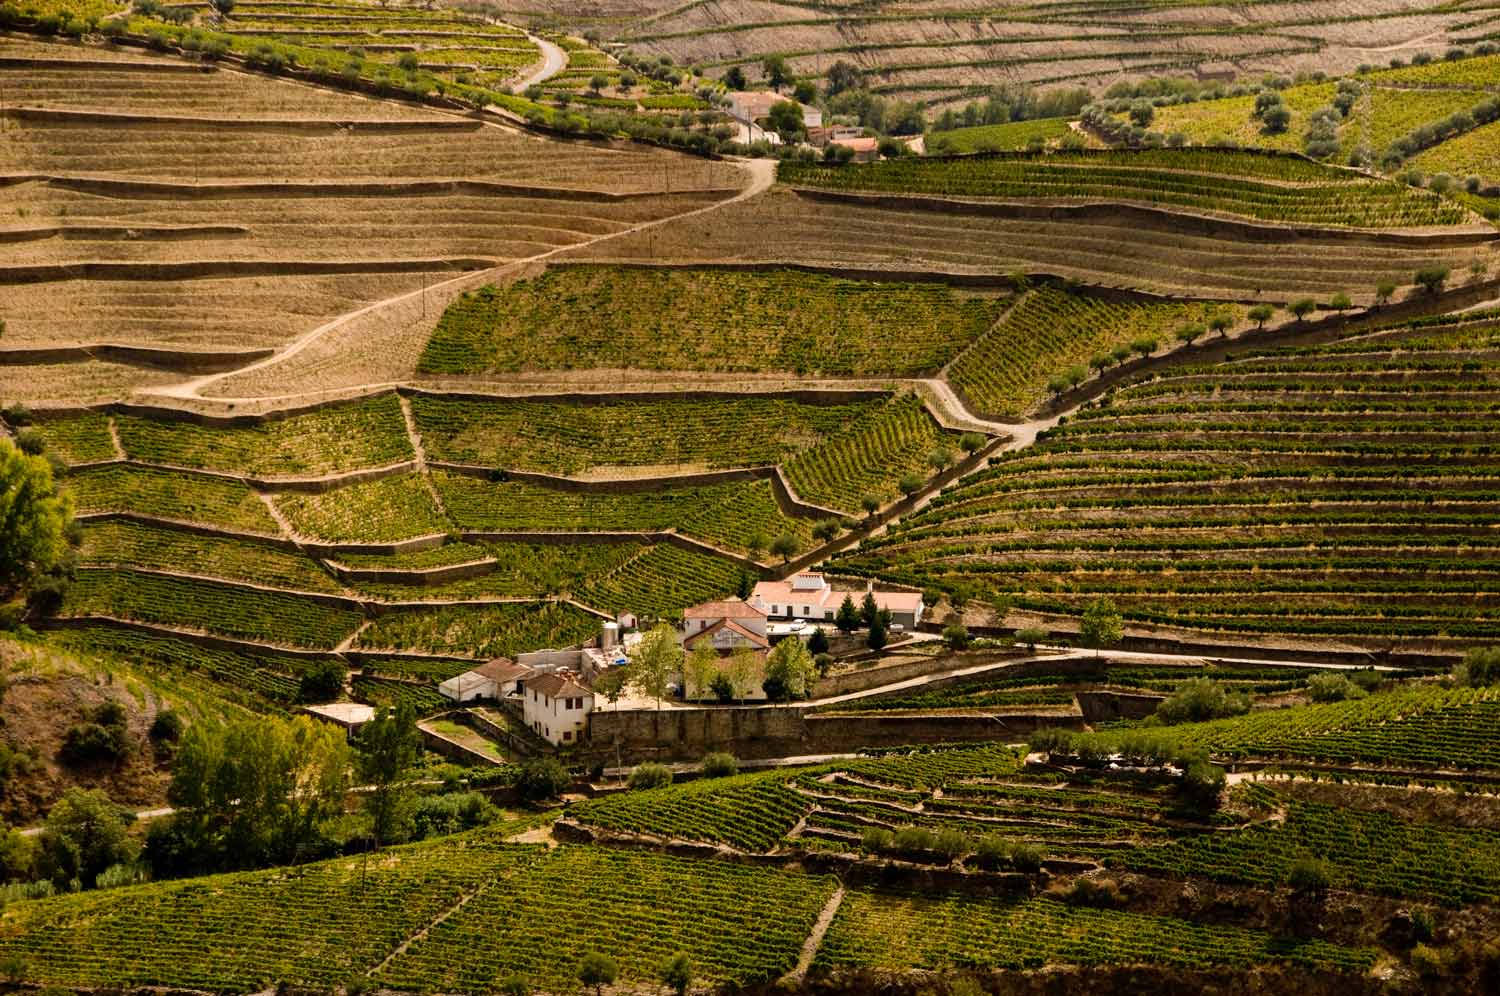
[
  {"x": 211, "y": 501},
  {"x": 130, "y": 544},
  {"x": 385, "y": 509},
  {"x": 1009, "y": 137},
  {"x": 581, "y": 317}
]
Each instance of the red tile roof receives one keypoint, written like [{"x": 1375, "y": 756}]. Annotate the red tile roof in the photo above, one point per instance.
[
  {"x": 502, "y": 670},
  {"x": 733, "y": 608},
  {"x": 727, "y": 624},
  {"x": 557, "y": 686}
]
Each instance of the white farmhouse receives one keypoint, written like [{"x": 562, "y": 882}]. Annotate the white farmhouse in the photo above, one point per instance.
[
  {"x": 727, "y": 625},
  {"x": 494, "y": 679},
  {"x": 557, "y": 706},
  {"x": 810, "y": 596}
]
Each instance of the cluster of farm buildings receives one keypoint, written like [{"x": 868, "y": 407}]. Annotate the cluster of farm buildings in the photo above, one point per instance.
[
  {"x": 752, "y": 108},
  {"x": 554, "y": 688}
]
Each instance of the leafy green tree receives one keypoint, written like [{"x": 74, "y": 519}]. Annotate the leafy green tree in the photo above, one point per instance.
[
  {"x": 677, "y": 974},
  {"x": 940, "y": 458},
  {"x": 1142, "y": 113},
  {"x": 1199, "y": 699},
  {"x": 85, "y": 833},
  {"x": 1221, "y": 322},
  {"x": 817, "y": 643},
  {"x": 650, "y": 776},
  {"x": 1480, "y": 668},
  {"x": 744, "y": 585},
  {"x": 826, "y": 530},
  {"x": 658, "y": 658},
  {"x": 323, "y": 681},
  {"x": 1432, "y": 278},
  {"x": 598, "y": 82},
  {"x": 790, "y": 670},
  {"x": 254, "y": 792},
  {"x": 388, "y": 746},
  {"x": 1260, "y": 314},
  {"x": 1384, "y": 291},
  {"x": 1030, "y": 636},
  {"x": 870, "y": 504},
  {"x": 1193, "y": 330},
  {"x": 785, "y": 119},
  {"x": 785, "y": 546},
  {"x": 734, "y": 79},
  {"x": 909, "y": 484},
  {"x": 971, "y": 442},
  {"x": 1277, "y": 119},
  {"x": 956, "y": 636},
  {"x": 847, "y": 619},
  {"x": 1145, "y": 345},
  {"x": 1102, "y": 626},
  {"x": 1302, "y": 307},
  {"x": 1340, "y": 302},
  {"x": 742, "y": 671},
  {"x": 597, "y": 970},
  {"x": 776, "y": 72},
  {"x": 34, "y": 518},
  {"x": 542, "y": 778},
  {"x": 843, "y": 75},
  {"x": 701, "y": 669},
  {"x": 719, "y": 764}
]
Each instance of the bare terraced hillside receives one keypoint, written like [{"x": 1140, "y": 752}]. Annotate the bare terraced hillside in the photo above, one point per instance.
[
  {"x": 937, "y": 51},
  {"x": 153, "y": 207}
]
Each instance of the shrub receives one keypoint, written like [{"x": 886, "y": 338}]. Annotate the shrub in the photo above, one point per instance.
[
  {"x": 650, "y": 776},
  {"x": 1429, "y": 962},
  {"x": 1332, "y": 686},
  {"x": 914, "y": 840},
  {"x": 1309, "y": 876},
  {"x": 1100, "y": 893},
  {"x": 719, "y": 765},
  {"x": 322, "y": 682},
  {"x": 1480, "y": 667},
  {"x": 1198, "y": 699},
  {"x": 956, "y": 636},
  {"x": 876, "y": 839},
  {"x": 1202, "y": 783},
  {"x": 103, "y": 737},
  {"x": 1030, "y": 636},
  {"x": 167, "y": 726},
  {"x": 1431, "y": 278},
  {"x": 542, "y": 778}
]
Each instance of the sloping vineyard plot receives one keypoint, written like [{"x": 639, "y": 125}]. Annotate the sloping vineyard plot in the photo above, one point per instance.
[
  {"x": 262, "y": 679},
  {"x": 1007, "y": 371},
  {"x": 339, "y": 438},
  {"x": 895, "y": 931},
  {"x": 314, "y": 924},
  {"x": 388, "y": 508},
  {"x": 516, "y": 569},
  {"x": 1474, "y": 153},
  {"x": 1431, "y": 726},
  {"x": 661, "y": 581},
  {"x": 1264, "y": 188},
  {"x": 870, "y": 457},
  {"x": 79, "y": 438},
  {"x": 1347, "y": 489},
  {"x": 749, "y": 812},
  {"x": 711, "y": 909},
  {"x": 479, "y": 631},
  {"x": 213, "y": 501},
  {"x": 1372, "y": 852},
  {"x": 246, "y": 613},
  {"x": 131, "y": 544},
  {"x": 565, "y": 438},
  {"x": 579, "y": 317},
  {"x": 727, "y": 515}
]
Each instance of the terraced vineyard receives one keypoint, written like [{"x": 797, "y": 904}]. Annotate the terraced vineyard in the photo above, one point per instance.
[
  {"x": 388, "y": 508},
  {"x": 1343, "y": 489},
  {"x": 479, "y": 631},
  {"x": 1007, "y": 372},
  {"x": 132, "y": 544},
  {"x": 1265, "y": 188},
  {"x": 577, "y": 317},
  {"x": 1010, "y": 137},
  {"x": 182, "y": 497},
  {"x": 246, "y": 613},
  {"x": 896, "y": 932},
  {"x": 730, "y": 516},
  {"x": 331, "y": 440}
]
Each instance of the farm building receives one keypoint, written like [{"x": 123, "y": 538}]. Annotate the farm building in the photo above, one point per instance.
[
  {"x": 557, "y": 706},
  {"x": 727, "y": 625},
  {"x": 810, "y": 596},
  {"x": 493, "y": 679},
  {"x": 865, "y": 149},
  {"x": 752, "y": 106}
]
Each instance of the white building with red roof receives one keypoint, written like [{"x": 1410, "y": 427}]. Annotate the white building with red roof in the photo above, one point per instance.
[
  {"x": 810, "y": 596},
  {"x": 494, "y": 679},
  {"x": 727, "y": 625},
  {"x": 557, "y": 706}
]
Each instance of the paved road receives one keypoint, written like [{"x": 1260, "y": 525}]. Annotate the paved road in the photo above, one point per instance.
[{"x": 554, "y": 61}]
